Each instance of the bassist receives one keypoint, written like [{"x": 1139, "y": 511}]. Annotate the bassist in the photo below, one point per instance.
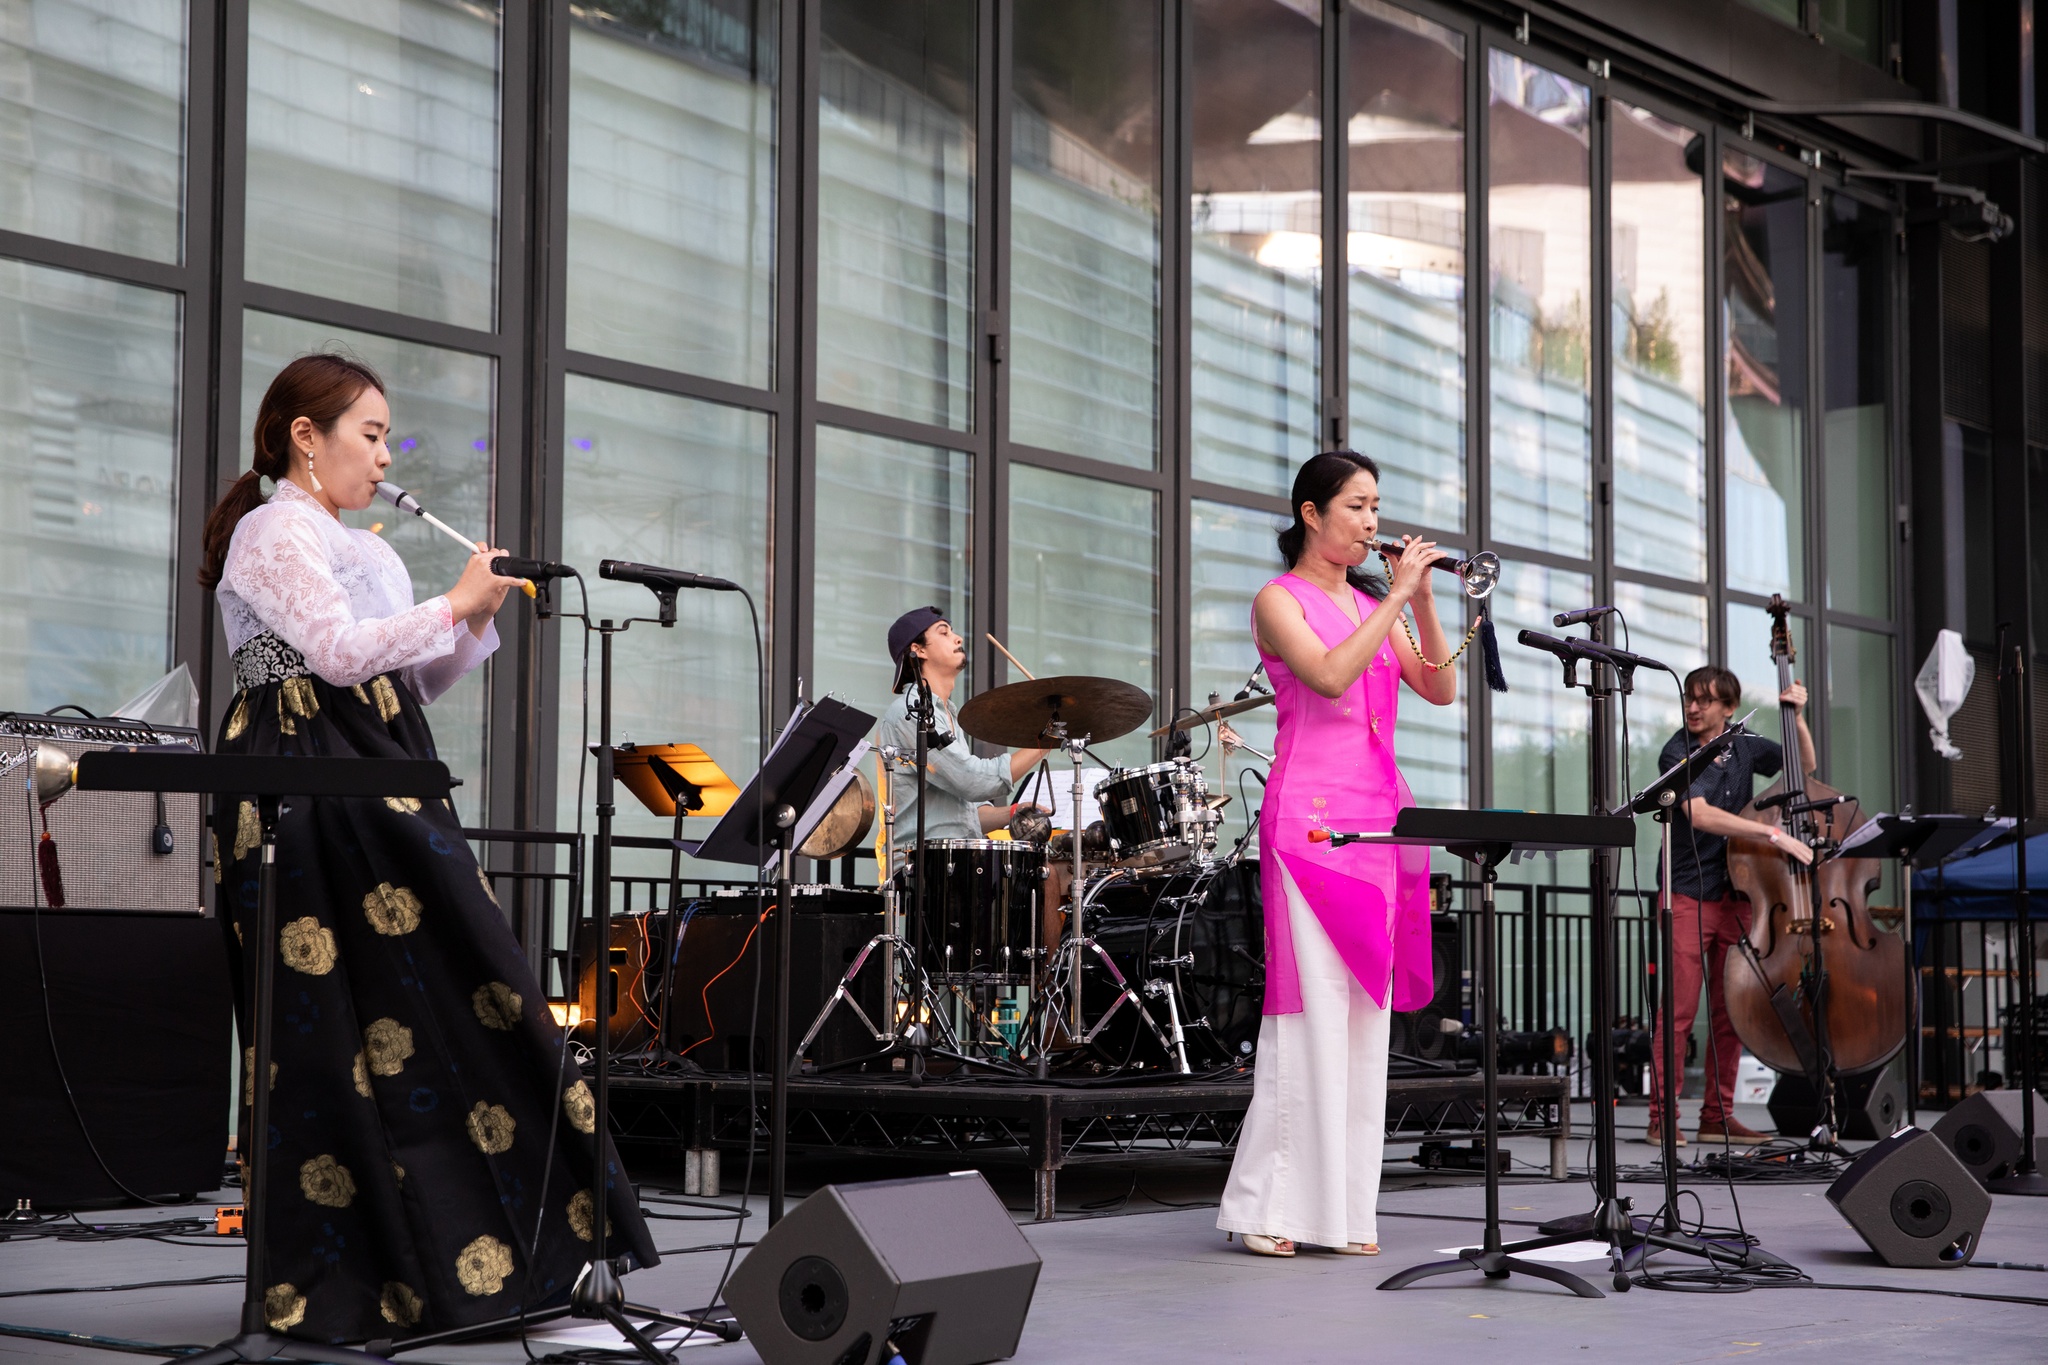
[{"x": 1708, "y": 919}]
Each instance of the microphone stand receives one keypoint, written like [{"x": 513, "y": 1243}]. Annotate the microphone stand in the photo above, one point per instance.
[{"x": 599, "y": 1291}]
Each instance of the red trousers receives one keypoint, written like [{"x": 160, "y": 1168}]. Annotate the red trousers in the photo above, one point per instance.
[{"x": 1702, "y": 934}]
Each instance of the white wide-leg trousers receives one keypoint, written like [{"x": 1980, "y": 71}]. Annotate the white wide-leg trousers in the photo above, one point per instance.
[{"x": 1308, "y": 1158}]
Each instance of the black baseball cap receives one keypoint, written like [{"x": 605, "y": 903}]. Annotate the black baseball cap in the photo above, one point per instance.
[{"x": 906, "y": 630}]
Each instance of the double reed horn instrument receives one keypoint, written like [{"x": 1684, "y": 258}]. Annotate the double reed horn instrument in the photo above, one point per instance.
[{"x": 1480, "y": 574}]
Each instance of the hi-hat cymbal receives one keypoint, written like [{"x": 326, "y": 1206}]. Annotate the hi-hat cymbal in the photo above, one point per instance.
[
  {"x": 1019, "y": 715},
  {"x": 1210, "y": 715}
]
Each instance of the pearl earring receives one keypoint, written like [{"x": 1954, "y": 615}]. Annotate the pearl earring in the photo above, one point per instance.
[{"x": 309, "y": 472}]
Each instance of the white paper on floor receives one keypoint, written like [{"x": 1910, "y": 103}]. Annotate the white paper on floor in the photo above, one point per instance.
[
  {"x": 603, "y": 1334},
  {"x": 1570, "y": 1251}
]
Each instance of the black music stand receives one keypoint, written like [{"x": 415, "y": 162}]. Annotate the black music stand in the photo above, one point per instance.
[
  {"x": 764, "y": 822},
  {"x": 1485, "y": 838},
  {"x": 270, "y": 779},
  {"x": 1916, "y": 841}
]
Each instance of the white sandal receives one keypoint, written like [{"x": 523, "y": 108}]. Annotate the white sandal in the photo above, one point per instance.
[
  {"x": 1358, "y": 1249},
  {"x": 1261, "y": 1245}
]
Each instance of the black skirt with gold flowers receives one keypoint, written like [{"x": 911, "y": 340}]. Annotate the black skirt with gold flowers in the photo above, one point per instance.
[{"x": 417, "y": 1078}]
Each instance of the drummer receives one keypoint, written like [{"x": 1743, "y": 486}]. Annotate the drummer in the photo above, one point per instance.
[{"x": 965, "y": 791}]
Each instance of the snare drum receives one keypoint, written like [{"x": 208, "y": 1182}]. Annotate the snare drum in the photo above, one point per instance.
[
  {"x": 982, "y": 898},
  {"x": 1158, "y": 814}
]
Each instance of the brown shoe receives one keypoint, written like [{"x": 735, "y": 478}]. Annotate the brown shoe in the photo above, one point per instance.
[
  {"x": 1731, "y": 1132},
  {"x": 1654, "y": 1134}
]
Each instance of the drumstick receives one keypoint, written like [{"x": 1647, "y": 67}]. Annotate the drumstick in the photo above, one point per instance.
[
  {"x": 406, "y": 502},
  {"x": 1011, "y": 657}
]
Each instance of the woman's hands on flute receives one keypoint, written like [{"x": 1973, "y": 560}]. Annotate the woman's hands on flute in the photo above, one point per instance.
[{"x": 478, "y": 594}]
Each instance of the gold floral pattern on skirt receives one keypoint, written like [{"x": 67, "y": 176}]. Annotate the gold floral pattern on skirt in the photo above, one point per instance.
[
  {"x": 248, "y": 830},
  {"x": 398, "y": 1172},
  {"x": 485, "y": 878},
  {"x": 400, "y": 1304},
  {"x": 392, "y": 910},
  {"x": 490, "y": 1128},
  {"x": 307, "y": 946},
  {"x": 218, "y": 870},
  {"x": 582, "y": 1216},
  {"x": 386, "y": 1045},
  {"x": 283, "y": 1306},
  {"x": 295, "y": 697},
  {"x": 361, "y": 696},
  {"x": 386, "y": 698},
  {"x": 497, "y": 1006},
  {"x": 483, "y": 1266},
  {"x": 249, "y": 1076},
  {"x": 360, "y": 1074},
  {"x": 404, "y": 805},
  {"x": 238, "y": 719},
  {"x": 581, "y": 1108},
  {"x": 327, "y": 1182}
]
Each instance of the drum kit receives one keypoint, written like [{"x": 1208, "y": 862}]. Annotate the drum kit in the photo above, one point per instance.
[{"x": 971, "y": 976}]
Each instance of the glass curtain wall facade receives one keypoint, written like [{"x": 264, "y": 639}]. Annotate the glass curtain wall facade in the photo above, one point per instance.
[{"x": 1026, "y": 310}]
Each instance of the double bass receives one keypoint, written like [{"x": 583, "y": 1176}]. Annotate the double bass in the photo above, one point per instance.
[{"x": 1815, "y": 988}]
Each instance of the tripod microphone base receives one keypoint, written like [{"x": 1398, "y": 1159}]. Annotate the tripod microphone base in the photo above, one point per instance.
[
  {"x": 2032, "y": 1184},
  {"x": 1498, "y": 1265},
  {"x": 253, "y": 1347}
]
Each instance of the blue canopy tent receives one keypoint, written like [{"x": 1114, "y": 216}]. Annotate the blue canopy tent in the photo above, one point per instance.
[{"x": 1980, "y": 886}]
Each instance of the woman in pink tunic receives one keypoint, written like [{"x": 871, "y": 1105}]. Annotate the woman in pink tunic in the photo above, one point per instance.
[{"x": 1347, "y": 930}]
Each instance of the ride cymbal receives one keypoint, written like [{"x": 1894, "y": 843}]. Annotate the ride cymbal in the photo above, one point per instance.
[
  {"x": 1209, "y": 715},
  {"x": 1020, "y": 715}
]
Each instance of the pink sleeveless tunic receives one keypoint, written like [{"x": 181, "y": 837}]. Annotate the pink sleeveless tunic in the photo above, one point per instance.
[{"x": 1334, "y": 766}]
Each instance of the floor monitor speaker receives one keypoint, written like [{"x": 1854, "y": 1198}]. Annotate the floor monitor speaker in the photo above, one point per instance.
[
  {"x": 1913, "y": 1202},
  {"x": 931, "y": 1269},
  {"x": 1868, "y": 1106},
  {"x": 1984, "y": 1132}
]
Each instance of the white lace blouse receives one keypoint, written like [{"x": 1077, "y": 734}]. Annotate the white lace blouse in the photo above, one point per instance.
[{"x": 342, "y": 598}]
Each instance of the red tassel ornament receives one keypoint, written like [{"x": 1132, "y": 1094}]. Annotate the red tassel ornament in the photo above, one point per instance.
[{"x": 46, "y": 863}]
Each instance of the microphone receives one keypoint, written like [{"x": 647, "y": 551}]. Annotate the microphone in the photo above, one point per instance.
[
  {"x": 512, "y": 566},
  {"x": 1332, "y": 837},
  {"x": 1581, "y": 616},
  {"x": 1567, "y": 651},
  {"x": 661, "y": 580},
  {"x": 1622, "y": 658},
  {"x": 1252, "y": 684}
]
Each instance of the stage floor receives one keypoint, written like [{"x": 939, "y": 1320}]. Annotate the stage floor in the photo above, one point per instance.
[{"x": 1129, "y": 1279}]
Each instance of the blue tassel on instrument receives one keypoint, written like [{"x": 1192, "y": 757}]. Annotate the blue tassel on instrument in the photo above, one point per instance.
[{"x": 1489, "y": 648}]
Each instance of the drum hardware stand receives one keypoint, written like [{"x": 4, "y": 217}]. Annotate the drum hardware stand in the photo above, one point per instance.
[
  {"x": 921, "y": 1014},
  {"x": 1074, "y": 954}
]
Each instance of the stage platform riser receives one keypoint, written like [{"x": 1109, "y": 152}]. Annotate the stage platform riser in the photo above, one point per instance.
[{"x": 1044, "y": 1127}]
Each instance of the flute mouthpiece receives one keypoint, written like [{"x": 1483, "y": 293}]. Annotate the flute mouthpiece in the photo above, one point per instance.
[{"x": 399, "y": 498}]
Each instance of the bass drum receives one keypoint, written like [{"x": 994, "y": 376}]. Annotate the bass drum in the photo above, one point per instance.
[{"x": 1200, "y": 932}]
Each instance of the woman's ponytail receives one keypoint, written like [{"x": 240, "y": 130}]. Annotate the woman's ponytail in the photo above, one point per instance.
[{"x": 317, "y": 387}]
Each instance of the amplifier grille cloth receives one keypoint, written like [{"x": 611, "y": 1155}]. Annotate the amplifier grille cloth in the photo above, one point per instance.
[{"x": 102, "y": 837}]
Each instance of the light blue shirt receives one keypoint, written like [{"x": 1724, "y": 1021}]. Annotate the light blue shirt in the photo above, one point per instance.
[{"x": 958, "y": 782}]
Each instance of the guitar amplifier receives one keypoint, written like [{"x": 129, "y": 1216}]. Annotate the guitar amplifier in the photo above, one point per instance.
[{"x": 107, "y": 842}]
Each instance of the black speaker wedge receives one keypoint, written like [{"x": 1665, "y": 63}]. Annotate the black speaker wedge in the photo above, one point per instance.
[
  {"x": 931, "y": 1269},
  {"x": 1913, "y": 1202},
  {"x": 1984, "y": 1131}
]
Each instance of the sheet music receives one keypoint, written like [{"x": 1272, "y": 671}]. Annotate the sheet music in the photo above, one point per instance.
[
  {"x": 827, "y": 794},
  {"x": 1061, "y": 795}
]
